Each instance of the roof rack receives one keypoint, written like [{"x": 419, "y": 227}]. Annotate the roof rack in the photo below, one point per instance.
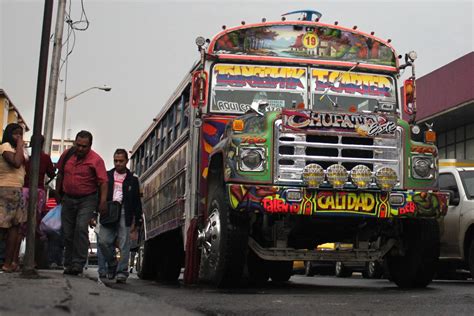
[{"x": 307, "y": 14}]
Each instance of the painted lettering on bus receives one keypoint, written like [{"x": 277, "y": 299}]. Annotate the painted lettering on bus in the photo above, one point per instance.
[
  {"x": 409, "y": 208},
  {"x": 260, "y": 77},
  {"x": 253, "y": 140},
  {"x": 277, "y": 205},
  {"x": 341, "y": 201},
  {"x": 352, "y": 83}
]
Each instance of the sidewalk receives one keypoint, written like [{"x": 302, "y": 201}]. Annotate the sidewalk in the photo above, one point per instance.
[{"x": 56, "y": 294}]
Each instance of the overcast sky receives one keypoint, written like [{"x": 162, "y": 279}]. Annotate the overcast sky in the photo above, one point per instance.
[{"x": 142, "y": 49}]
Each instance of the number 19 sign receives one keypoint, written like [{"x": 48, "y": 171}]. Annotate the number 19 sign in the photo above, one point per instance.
[{"x": 310, "y": 40}]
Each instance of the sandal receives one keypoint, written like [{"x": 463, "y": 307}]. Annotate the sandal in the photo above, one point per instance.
[{"x": 15, "y": 267}]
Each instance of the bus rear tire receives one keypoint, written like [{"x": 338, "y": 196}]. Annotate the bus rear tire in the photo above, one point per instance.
[
  {"x": 146, "y": 260},
  {"x": 281, "y": 271},
  {"x": 170, "y": 256},
  {"x": 258, "y": 269},
  {"x": 341, "y": 271},
  {"x": 223, "y": 254}
]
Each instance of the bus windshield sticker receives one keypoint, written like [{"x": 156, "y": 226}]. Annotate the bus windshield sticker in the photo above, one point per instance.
[
  {"x": 358, "y": 84},
  {"x": 263, "y": 77},
  {"x": 235, "y": 87}
]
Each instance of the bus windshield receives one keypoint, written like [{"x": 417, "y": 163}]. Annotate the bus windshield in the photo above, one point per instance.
[
  {"x": 235, "y": 87},
  {"x": 335, "y": 90}
]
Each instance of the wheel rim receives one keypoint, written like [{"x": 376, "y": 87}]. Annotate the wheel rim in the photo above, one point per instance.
[
  {"x": 338, "y": 267},
  {"x": 139, "y": 262},
  {"x": 211, "y": 237},
  {"x": 371, "y": 268}
]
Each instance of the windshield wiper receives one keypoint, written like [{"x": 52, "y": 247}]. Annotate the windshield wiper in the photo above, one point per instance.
[{"x": 339, "y": 77}]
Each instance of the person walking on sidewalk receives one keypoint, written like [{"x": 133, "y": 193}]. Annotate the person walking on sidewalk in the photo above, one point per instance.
[
  {"x": 12, "y": 173},
  {"x": 123, "y": 188},
  {"x": 46, "y": 167},
  {"x": 82, "y": 184}
]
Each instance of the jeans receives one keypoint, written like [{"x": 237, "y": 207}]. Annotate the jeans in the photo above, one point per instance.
[
  {"x": 75, "y": 216},
  {"x": 55, "y": 248},
  {"x": 107, "y": 237},
  {"x": 102, "y": 269}
]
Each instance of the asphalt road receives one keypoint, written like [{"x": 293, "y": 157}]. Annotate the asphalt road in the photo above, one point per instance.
[{"x": 316, "y": 295}]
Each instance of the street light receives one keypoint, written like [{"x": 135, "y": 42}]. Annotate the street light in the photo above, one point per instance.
[{"x": 66, "y": 99}]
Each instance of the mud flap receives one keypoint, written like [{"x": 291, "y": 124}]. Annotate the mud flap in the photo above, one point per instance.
[{"x": 193, "y": 254}]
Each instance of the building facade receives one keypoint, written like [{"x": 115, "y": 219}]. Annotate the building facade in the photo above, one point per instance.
[
  {"x": 445, "y": 98},
  {"x": 9, "y": 113},
  {"x": 56, "y": 148}
]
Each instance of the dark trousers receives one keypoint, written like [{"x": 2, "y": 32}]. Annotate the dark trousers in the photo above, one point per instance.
[
  {"x": 75, "y": 216},
  {"x": 55, "y": 248}
]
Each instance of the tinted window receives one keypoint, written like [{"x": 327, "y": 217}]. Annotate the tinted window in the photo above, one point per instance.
[
  {"x": 447, "y": 181},
  {"x": 467, "y": 178}
]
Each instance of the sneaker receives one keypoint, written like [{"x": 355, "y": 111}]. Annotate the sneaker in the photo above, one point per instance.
[
  {"x": 121, "y": 278},
  {"x": 111, "y": 272},
  {"x": 102, "y": 275}
]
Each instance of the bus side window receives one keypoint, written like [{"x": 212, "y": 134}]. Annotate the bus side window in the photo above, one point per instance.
[
  {"x": 158, "y": 141},
  {"x": 151, "y": 151},
  {"x": 185, "y": 123},
  {"x": 177, "y": 126},
  {"x": 141, "y": 161},
  {"x": 164, "y": 139},
  {"x": 171, "y": 123}
]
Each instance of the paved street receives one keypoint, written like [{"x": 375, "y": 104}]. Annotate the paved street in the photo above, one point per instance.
[
  {"x": 315, "y": 295},
  {"x": 54, "y": 294}
]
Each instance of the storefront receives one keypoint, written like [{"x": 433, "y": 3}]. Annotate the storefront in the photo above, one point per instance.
[{"x": 445, "y": 98}]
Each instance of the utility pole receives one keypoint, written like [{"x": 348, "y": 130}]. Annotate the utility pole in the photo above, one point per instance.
[
  {"x": 29, "y": 262},
  {"x": 53, "y": 77}
]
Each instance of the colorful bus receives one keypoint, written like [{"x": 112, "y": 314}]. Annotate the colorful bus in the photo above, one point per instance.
[{"x": 286, "y": 135}]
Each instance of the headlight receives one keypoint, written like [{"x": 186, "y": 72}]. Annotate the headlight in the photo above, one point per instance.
[
  {"x": 252, "y": 159},
  {"x": 337, "y": 176},
  {"x": 313, "y": 175},
  {"x": 422, "y": 167},
  {"x": 386, "y": 178},
  {"x": 361, "y": 176}
]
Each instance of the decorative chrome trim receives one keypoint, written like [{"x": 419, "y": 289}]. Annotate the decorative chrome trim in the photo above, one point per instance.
[
  {"x": 260, "y": 150},
  {"x": 292, "y": 173}
]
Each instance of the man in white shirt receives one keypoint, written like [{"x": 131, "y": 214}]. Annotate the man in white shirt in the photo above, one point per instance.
[{"x": 124, "y": 189}]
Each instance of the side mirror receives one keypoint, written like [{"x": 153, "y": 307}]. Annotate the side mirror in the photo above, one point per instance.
[
  {"x": 409, "y": 96},
  {"x": 454, "y": 198}
]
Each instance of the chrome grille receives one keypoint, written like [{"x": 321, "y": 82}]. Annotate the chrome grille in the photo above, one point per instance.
[{"x": 295, "y": 150}]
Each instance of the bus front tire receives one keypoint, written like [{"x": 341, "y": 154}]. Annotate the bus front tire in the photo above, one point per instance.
[
  {"x": 417, "y": 267},
  {"x": 223, "y": 254}
]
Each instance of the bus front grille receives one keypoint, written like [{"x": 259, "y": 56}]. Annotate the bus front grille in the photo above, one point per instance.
[{"x": 295, "y": 150}]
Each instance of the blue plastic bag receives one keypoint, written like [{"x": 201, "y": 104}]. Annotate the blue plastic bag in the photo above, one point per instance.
[{"x": 51, "y": 222}]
